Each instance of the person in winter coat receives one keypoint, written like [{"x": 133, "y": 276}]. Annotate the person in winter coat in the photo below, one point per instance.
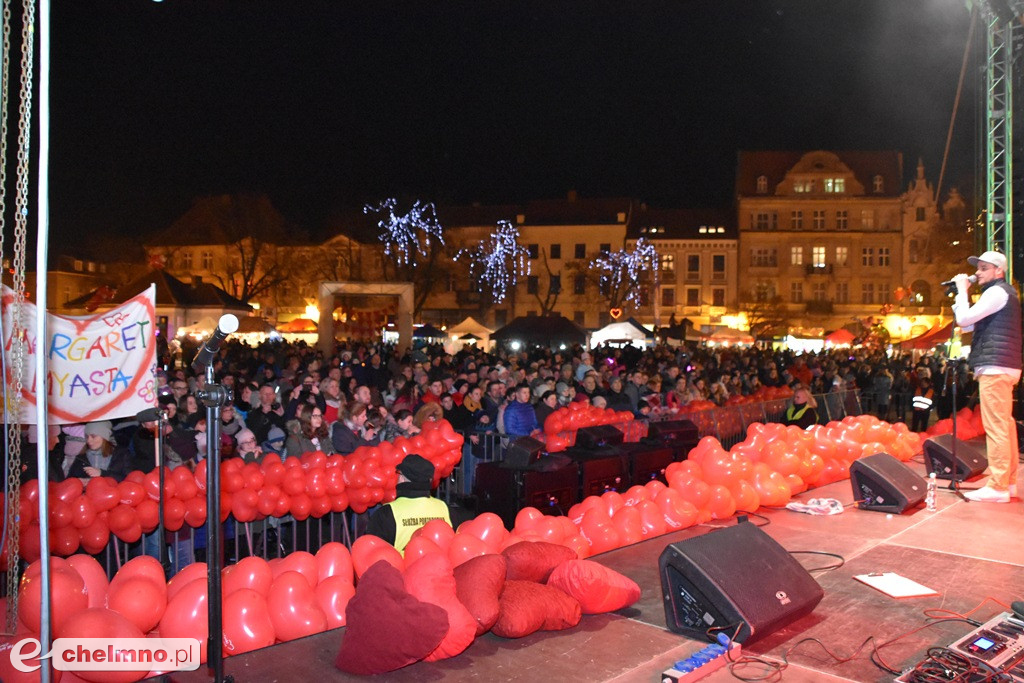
[
  {"x": 101, "y": 457},
  {"x": 520, "y": 418},
  {"x": 310, "y": 433}
]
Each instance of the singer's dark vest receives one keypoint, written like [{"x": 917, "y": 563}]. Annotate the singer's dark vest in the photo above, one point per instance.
[{"x": 997, "y": 337}]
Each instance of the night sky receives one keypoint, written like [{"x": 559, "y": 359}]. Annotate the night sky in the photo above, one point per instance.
[{"x": 324, "y": 105}]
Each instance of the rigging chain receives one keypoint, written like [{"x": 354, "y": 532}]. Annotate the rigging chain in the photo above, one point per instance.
[{"x": 18, "y": 327}]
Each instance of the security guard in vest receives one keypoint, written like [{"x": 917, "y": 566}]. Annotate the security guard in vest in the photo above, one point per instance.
[
  {"x": 414, "y": 507},
  {"x": 996, "y": 359}
]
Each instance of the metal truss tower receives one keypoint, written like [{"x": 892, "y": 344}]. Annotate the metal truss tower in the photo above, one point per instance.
[{"x": 1001, "y": 20}]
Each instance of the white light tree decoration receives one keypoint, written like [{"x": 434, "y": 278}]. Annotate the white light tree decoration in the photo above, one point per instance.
[
  {"x": 620, "y": 272},
  {"x": 499, "y": 261},
  {"x": 405, "y": 236},
  {"x": 413, "y": 245}
]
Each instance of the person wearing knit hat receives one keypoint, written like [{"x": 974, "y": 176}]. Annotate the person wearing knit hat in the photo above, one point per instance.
[
  {"x": 396, "y": 521},
  {"x": 101, "y": 457}
]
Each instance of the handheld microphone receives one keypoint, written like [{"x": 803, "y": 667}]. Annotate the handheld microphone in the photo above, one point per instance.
[
  {"x": 950, "y": 283},
  {"x": 225, "y": 326}
]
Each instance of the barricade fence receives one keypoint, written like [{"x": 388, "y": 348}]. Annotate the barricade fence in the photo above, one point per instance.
[{"x": 276, "y": 537}]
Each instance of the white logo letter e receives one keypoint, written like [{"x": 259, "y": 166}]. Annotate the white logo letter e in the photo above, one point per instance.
[{"x": 18, "y": 657}]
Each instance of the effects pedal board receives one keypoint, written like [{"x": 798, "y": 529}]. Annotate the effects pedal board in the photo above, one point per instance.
[{"x": 992, "y": 652}]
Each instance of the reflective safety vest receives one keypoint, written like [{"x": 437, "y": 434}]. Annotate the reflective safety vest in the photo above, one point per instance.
[
  {"x": 922, "y": 402},
  {"x": 793, "y": 413},
  {"x": 412, "y": 513}
]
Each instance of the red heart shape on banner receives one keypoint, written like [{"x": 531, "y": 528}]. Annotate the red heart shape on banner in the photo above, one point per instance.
[
  {"x": 615, "y": 313},
  {"x": 111, "y": 318}
]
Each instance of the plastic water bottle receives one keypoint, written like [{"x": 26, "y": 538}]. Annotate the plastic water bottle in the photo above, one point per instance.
[{"x": 929, "y": 499}]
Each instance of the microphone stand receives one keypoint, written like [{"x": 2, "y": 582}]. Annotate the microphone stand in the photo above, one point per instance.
[
  {"x": 214, "y": 396},
  {"x": 161, "y": 527},
  {"x": 951, "y": 367},
  {"x": 954, "y": 479}
]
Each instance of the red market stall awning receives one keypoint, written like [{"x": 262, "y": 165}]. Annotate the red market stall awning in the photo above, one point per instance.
[{"x": 930, "y": 339}]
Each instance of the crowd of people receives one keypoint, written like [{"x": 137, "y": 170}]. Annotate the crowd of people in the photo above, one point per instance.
[{"x": 291, "y": 399}]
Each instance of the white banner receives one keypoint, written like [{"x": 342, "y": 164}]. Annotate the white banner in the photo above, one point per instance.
[{"x": 99, "y": 367}]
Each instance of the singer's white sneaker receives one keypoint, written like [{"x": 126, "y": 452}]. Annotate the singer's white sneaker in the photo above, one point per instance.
[{"x": 987, "y": 495}]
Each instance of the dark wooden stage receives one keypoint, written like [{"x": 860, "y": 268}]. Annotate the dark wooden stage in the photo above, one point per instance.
[{"x": 966, "y": 551}]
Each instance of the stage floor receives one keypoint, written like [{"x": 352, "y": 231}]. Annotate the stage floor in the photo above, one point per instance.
[{"x": 966, "y": 551}]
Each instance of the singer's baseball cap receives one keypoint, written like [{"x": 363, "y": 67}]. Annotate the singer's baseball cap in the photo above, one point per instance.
[{"x": 991, "y": 257}]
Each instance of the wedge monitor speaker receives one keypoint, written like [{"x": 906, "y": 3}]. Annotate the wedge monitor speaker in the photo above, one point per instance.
[
  {"x": 971, "y": 459},
  {"x": 883, "y": 483},
  {"x": 735, "y": 577}
]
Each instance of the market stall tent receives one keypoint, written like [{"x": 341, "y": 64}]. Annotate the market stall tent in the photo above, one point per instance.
[{"x": 623, "y": 332}]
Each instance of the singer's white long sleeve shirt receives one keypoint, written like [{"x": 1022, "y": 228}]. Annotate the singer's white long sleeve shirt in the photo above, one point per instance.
[{"x": 991, "y": 301}]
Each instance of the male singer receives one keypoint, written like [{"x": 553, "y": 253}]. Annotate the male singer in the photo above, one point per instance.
[{"x": 996, "y": 358}]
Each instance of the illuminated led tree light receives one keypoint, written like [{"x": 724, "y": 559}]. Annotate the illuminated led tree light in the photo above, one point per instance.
[
  {"x": 401, "y": 234},
  {"x": 620, "y": 270},
  {"x": 498, "y": 261}
]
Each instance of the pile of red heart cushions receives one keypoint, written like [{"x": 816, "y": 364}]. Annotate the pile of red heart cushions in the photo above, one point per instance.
[
  {"x": 433, "y": 611},
  {"x": 311, "y": 486},
  {"x": 263, "y": 602}
]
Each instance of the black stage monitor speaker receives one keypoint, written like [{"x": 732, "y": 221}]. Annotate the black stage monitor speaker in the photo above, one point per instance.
[
  {"x": 598, "y": 436},
  {"x": 523, "y": 452},
  {"x": 550, "y": 486},
  {"x": 883, "y": 483},
  {"x": 971, "y": 460},
  {"x": 735, "y": 577},
  {"x": 673, "y": 430}
]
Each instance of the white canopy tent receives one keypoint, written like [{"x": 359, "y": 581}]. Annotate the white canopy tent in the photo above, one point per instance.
[
  {"x": 470, "y": 326},
  {"x": 622, "y": 333}
]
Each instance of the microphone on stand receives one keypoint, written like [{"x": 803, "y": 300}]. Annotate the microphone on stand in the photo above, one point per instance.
[
  {"x": 225, "y": 326},
  {"x": 952, "y": 283}
]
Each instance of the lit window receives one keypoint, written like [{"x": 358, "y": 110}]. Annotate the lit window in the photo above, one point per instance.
[
  {"x": 796, "y": 256},
  {"x": 818, "y": 256},
  {"x": 668, "y": 262},
  {"x": 842, "y": 255}
]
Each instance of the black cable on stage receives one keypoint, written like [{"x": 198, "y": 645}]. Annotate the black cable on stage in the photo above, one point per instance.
[{"x": 826, "y": 568}]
